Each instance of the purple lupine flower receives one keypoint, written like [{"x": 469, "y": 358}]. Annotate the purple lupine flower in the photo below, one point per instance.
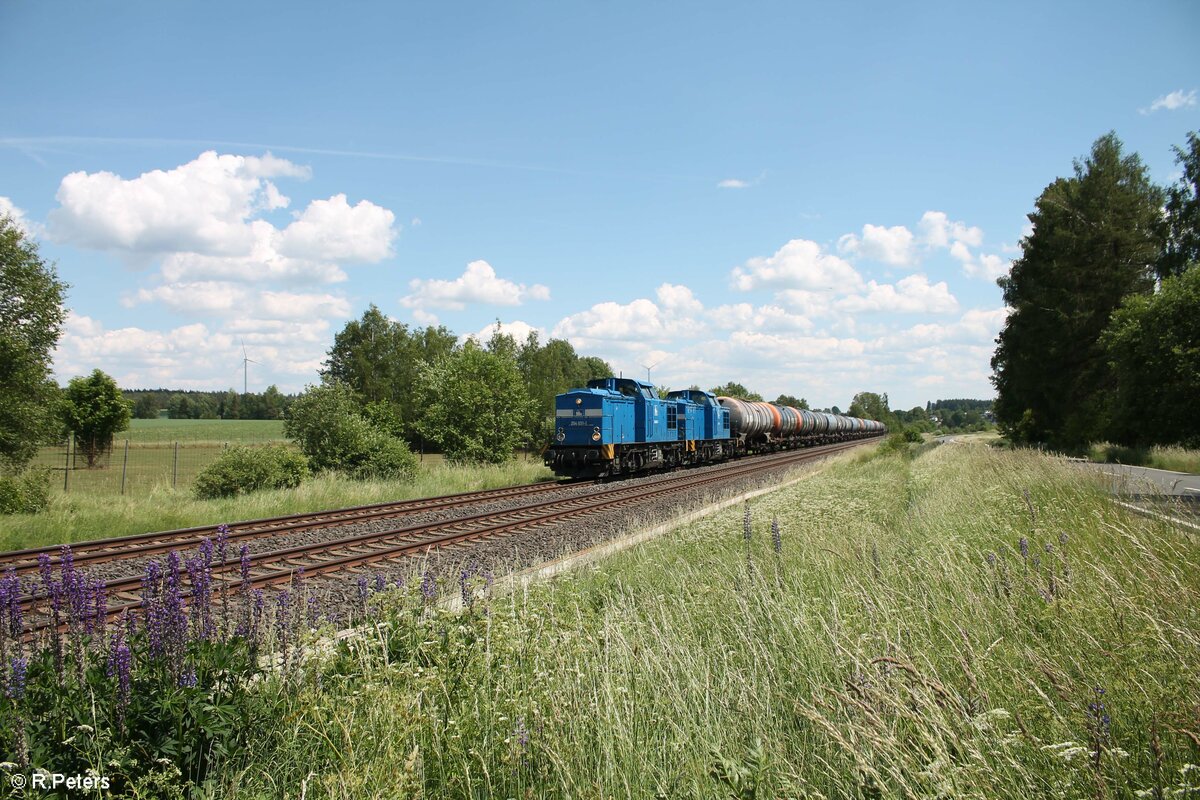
[
  {"x": 991, "y": 559},
  {"x": 123, "y": 662},
  {"x": 428, "y": 586},
  {"x": 187, "y": 679},
  {"x": 1099, "y": 725},
  {"x": 776, "y": 536},
  {"x": 363, "y": 591},
  {"x": 314, "y": 611},
  {"x": 282, "y": 615},
  {"x": 1062, "y": 537},
  {"x": 380, "y": 582},
  {"x": 14, "y": 687},
  {"x": 245, "y": 567},
  {"x": 99, "y": 605},
  {"x": 464, "y": 588},
  {"x": 1024, "y": 545},
  {"x": 45, "y": 571},
  {"x": 222, "y": 541},
  {"x": 10, "y": 603}
]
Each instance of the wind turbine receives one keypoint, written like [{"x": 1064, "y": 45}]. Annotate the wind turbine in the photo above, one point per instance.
[
  {"x": 652, "y": 366},
  {"x": 246, "y": 362}
]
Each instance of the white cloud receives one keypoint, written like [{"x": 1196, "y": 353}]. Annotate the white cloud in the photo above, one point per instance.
[
  {"x": 17, "y": 215},
  {"x": 1171, "y": 102},
  {"x": 639, "y": 323},
  {"x": 799, "y": 264},
  {"x": 195, "y": 356},
  {"x": 937, "y": 230},
  {"x": 911, "y": 295},
  {"x": 478, "y": 284},
  {"x": 423, "y": 317},
  {"x": 222, "y": 298},
  {"x": 333, "y": 230},
  {"x": 890, "y": 245},
  {"x": 517, "y": 329},
  {"x": 199, "y": 219},
  {"x": 733, "y": 183},
  {"x": 200, "y": 207}
]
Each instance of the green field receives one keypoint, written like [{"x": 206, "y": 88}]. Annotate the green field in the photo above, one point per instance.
[{"x": 245, "y": 431}]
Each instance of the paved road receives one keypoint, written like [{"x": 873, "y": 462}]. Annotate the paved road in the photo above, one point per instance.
[{"x": 1143, "y": 480}]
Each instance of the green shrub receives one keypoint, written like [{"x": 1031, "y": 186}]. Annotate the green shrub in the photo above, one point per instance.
[
  {"x": 27, "y": 492},
  {"x": 248, "y": 469},
  {"x": 385, "y": 458},
  {"x": 327, "y": 423}
]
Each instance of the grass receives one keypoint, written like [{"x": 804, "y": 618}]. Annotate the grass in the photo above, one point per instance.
[
  {"x": 219, "y": 431},
  {"x": 966, "y": 623},
  {"x": 1177, "y": 459},
  {"x": 79, "y": 516}
]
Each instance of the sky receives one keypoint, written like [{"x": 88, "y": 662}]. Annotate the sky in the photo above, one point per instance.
[{"x": 810, "y": 199}]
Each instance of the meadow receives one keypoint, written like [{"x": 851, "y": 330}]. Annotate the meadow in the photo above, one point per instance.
[{"x": 968, "y": 623}]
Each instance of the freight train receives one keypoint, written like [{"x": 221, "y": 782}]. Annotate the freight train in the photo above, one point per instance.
[{"x": 618, "y": 426}]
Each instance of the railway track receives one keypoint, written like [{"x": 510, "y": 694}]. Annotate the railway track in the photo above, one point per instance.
[
  {"x": 362, "y": 550},
  {"x": 98, "y": 551}
]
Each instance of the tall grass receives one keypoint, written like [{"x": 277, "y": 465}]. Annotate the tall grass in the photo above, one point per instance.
[
  {"x": 79, "y": 517},
  {"x": 1177, "y": 459},
  {"x": 969, "y": 623}
]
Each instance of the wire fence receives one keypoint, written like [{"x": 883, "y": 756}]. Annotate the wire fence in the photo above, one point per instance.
[
  {"x": 130, "y": 468},
  {"x": 137, "y": 468}
]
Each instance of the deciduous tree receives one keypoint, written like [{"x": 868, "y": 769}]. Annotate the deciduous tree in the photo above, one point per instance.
[
  {"x": 94, "y": 409},
  {"x": 31, "y": 320},
  {"x": 1153, "y": 349},
  {"x": 475, "y": 404}
]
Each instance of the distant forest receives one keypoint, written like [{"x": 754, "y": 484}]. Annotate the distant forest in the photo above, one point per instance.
[{"x": 177, "y": 404}]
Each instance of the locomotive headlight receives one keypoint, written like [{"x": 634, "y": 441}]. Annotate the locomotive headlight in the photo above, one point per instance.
[{"x": 578, "y": 401}]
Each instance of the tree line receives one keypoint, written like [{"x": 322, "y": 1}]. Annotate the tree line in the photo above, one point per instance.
[
  {"x": 194, "y": 404},
  {"x": 1103, "y": 337}
]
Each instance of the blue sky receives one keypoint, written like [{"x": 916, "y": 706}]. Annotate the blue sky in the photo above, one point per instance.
[{"x": 810, "y": 199}]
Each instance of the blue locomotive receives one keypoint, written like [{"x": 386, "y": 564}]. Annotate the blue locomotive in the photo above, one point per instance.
[{"x": 618, "y": 426}]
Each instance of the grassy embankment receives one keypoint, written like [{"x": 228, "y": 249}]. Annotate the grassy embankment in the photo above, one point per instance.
[{"x": 972, "y": 623}]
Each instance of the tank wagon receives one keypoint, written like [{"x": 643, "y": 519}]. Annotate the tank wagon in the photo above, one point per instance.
[{"x": 617, "y": 426}]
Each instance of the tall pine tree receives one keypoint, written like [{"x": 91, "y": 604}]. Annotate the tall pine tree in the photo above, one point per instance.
[{"x": 1096, "y": 237}]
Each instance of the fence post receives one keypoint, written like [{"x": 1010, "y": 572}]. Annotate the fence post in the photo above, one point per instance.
[
  {"x": 67, "y": 470},
  {"x": 124, "y": 466},
  {"x": 175, "y": 467}
]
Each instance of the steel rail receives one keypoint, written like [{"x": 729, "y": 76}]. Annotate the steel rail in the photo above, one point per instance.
[{"x": 147, "y": 544}]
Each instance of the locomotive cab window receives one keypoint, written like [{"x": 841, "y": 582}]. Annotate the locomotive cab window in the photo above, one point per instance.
[{"x": 672, "y": 417}]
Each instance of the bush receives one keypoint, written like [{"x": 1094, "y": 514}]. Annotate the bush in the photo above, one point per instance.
[
  {"x": 385, "y": 458},
  {"x": 327, "y": 423},
  {"x": 243, "y": 469},
  {"x": 27, "y": 492}
]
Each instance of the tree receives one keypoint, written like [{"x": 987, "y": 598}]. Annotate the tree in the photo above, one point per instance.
[
  {"x": 94, "y": 410},
  {"x": 733, "y": 389},
  {"x": 1095, "y": 236},
  {"x": 791, "y": 400},
  {"x": 1182, "y": 219},
  {"x": 327, "y": 423},
  {"x": 145, "y": 407},
  {"x": 869, "y": 405},
  {"x": 380, "y": 359},
  {"x": 475, "y": 405},
  {"x": 31, "y": 321},
  {"x": 1153, "y": 349}
]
